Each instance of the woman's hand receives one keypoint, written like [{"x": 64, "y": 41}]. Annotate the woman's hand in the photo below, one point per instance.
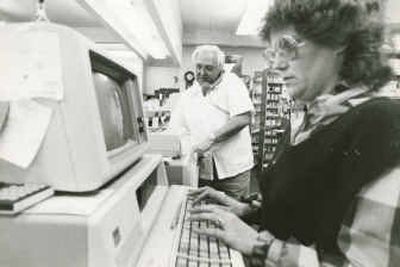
[
  {"x": 230, "y": 229},
  {"x": 220, "y": 198}
]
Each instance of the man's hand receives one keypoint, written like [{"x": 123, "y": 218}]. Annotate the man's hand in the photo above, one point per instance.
[{"x": 204, "y": 145}]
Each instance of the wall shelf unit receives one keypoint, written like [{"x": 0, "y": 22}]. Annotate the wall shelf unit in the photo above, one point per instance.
[{"x": 271, "y": 122}]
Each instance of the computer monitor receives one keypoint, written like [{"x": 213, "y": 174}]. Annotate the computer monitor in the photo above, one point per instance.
[{"x": 96, "y": 130}]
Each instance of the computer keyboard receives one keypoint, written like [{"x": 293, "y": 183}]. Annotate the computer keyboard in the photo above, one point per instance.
[
  {"x": 17, "y": 197},
  {"x": 197, "y": 250}
]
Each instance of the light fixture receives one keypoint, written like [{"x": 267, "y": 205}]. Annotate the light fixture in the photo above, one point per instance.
[
  {"x": 136, "y": 17},
  {"x": 131, "y": 20},
  {"x": 252, "y": 18}
]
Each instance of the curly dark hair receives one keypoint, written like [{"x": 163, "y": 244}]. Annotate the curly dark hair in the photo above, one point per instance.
[{"x": 352, "y": 24}]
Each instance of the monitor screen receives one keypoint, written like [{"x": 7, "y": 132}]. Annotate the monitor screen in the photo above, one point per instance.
[
  {"x": 114, "y": 111},
  {"x": 112, "y": 86}
]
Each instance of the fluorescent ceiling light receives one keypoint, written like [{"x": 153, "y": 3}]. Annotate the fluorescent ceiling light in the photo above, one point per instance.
[
  {"x": 137, "y": 21},
  {"x": 251, "y": 21},
  {"x": 131, "y": 20}
]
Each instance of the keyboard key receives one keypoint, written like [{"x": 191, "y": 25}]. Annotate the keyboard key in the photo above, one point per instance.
[
  {"x": 203, "y": 246},
  {"x": 214, "y": 253},
  {"x": 181, "y": 262},
  {"x": 184, "y": 247},
  {"x": 200, "y": 250},
  {"x": 223, "y": 251},
  {"x": 192, "y": 263}
]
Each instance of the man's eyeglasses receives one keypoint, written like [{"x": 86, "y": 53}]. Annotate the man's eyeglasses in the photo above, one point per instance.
[{"x": 286, "y": 48}]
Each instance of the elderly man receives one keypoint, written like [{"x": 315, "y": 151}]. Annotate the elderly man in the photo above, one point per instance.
[{"x": 216, "y": 112}]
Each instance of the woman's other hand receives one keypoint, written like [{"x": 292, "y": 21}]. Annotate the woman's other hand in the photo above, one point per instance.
[
  {"x": 229, "y": 228},
  {"x": 214, "y": 196}
]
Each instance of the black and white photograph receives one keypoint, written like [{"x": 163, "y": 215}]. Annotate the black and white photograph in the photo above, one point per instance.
[{"x": 199, "y": 133}]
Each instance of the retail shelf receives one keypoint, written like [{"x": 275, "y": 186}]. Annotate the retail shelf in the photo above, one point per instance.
[{"x": 269, "y": 114}]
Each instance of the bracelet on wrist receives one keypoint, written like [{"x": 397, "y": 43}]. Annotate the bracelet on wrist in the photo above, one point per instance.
[
  {"x": 250, "y": 198},
  {"x": 260, "y": 252},
  {"x": 275, "y": 251},
  {"x": 253, "y": 200}
]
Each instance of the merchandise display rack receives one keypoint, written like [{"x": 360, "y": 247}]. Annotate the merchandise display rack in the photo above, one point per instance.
[{"x": 271, "y": 122}]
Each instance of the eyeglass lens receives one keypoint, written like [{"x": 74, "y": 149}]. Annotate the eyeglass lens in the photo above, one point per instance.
[{"x": 285, "y": 48}]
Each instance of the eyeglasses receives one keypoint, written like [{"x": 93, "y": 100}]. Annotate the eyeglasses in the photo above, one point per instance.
[{"x": 286, "y": 48}]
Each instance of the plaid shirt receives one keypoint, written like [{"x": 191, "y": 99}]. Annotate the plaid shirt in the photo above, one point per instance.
[{"x": 370, "y": 233}]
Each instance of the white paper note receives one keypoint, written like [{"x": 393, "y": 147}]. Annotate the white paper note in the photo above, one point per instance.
[
  {"x": 30, "y": 65},
  {"x": 24, "y": 132}
]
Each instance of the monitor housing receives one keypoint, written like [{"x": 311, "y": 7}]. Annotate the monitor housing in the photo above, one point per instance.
[{"x": 96, "y": 130}]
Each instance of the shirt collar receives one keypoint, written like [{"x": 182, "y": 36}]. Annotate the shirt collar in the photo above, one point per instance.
[
  {"x": 333, "y": 103},
  {"x": 327, "y": 108}
]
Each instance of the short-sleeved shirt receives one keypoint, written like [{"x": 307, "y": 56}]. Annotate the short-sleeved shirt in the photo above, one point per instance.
[{"x": 202, "y": 115}]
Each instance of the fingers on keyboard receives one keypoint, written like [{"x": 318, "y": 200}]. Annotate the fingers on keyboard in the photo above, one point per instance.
[{"x": 199, "y": 249}]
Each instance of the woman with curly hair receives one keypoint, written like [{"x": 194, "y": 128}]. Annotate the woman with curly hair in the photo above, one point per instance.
[{"x": 327, "y": 52}]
